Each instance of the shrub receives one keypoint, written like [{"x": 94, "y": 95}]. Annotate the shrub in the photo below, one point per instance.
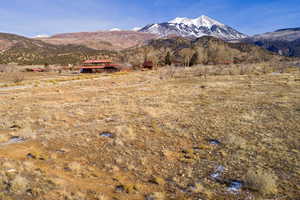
[
  {"x": 19, "y": 185},
  {"x": 262, "y": 181},
  {"x": 167, "y": 72},
  {"x": 168, "y": 59},
  {"x": 200, "y": 70},
  {"x": 236, "y": 140},
  {"x": 4, "y": 68},
  {"x": 17, "y": 77}
]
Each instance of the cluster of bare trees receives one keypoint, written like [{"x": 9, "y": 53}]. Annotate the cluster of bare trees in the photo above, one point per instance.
[
  {"x": 5, "y": 68},
  {"x": 11, "y": 73},
  {"x": 187, "y": 54}
]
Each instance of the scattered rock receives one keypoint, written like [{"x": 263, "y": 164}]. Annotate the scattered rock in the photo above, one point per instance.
[
  {"x": 15, "y": 126},
  {"x": 214, "y": 142},
  {"x": 13, "y": 140},
  {"x": 150, "y": 197},
  {"x": 188, "y": 156},
  {"x": 155, "y": 196},
  {"x": 120, "y": 188},
  {"x": 235, "y": 185},
  {"x": 11, "y": 171},
  {"x": 217, "y": 173},
  {"x": 106, "y": 134},
  {"x": 37, "y": 155},
  {"x": 157, "y": 181},
  {"x": 60, "y": 151},
  {"x": 29, "y": 155}
]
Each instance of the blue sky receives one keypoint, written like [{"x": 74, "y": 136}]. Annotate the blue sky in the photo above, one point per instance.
[{"x": 34, "y": 17}]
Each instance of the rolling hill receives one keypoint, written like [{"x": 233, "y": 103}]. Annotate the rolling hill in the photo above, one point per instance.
[
  {"x": 101, "y": 40},
  {"x": 26, "y": 51},
  {"x": 204, "y": 50}
]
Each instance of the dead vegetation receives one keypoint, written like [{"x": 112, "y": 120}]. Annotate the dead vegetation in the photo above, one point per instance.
[
  {"x": 17, "y": 77},
  {"x": 162, "y": 123},
  {"x": 204, "y": 71},
  {"x": 262, "y": 181}
]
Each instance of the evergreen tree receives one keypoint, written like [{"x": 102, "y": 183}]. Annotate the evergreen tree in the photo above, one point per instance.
[
  {"x": 168, "y": 59},
  {"x": 194, "y": 59}
]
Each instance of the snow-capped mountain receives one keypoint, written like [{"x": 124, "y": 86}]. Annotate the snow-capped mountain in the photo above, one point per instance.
[
  {"x": 41, "y": 36},
  {"x": 285, "y": 42},
  {"x": 288, "y": 34},
  {"x": 115, "y": 29},
  {"x": 201, "y": 26},
  {"x": 136, "y": 28}
]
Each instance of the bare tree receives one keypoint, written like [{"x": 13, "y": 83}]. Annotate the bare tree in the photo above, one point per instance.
[
  {"x": 4, "y": 68},
  {"x": 154, "y": 59},
  {"x": 146, "y": 53},
  {"x": 265, "y": 68},
  {"x": 187, "y": 53},
  {"x": 17, "y": 77}
]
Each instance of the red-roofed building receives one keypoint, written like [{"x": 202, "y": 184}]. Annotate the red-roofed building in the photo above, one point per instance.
[
  {"x": 148, "y": 64},
  {"x": 98, "y": 66},
  {"x": 35, "y": 70}
]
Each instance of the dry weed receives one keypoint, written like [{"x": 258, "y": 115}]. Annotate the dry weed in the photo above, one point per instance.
[
  {"x": 167, "y": 72},
  {"x": 17, "y": 77},
  {"x": 262, "y": 181},
  {"x": 235, "y": 140},
  {"x": 19, "y": 185}
]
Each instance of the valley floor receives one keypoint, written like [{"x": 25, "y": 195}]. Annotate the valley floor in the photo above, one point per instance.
[{"x": 145, "y": 135}]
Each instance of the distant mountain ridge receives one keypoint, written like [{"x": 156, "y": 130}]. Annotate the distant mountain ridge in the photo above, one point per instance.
[
  {"x": 285, "y": 42},
  {"x": 286, "y": 29},
  {"x": 102, "y": 40},
  {"x": 288, "y": 34},
  {"x": 194, "y": 28},
  {"x": 211, "y": 50}
]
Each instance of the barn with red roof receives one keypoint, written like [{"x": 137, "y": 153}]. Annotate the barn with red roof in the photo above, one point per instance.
[{"x": 98, "y": 66}]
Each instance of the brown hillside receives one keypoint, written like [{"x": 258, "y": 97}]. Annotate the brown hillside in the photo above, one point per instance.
[
  {"x": 26, "y": 51},
  {"x": 111, "y": 40},
  {"x": 182, "y": 51}
]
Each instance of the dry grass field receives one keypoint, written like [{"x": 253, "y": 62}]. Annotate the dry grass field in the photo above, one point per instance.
[{"x": 153, "y": 135}]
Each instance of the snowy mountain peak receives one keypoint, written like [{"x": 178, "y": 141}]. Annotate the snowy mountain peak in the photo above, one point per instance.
[
  {"x": 198, "y": 27},
  {"x": 136, "y": 28},
  {"x": 41, "y": 36},
  {"x": 179, "y": 20},
  {"x": 115, "y": 29},
  {"x": 203, "y": 20}
]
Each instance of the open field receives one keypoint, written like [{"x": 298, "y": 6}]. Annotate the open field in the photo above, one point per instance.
[{"x": 167, "y": 134}]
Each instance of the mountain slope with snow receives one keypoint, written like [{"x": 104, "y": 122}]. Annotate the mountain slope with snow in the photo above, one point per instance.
[
  {"x": 285, "y": 42},
  {"x": 194, "y": 28},
  {"x": 288, "y": 34}
]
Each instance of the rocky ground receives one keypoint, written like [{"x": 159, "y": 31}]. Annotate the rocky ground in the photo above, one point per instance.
[{"x": 151, "y": 135}]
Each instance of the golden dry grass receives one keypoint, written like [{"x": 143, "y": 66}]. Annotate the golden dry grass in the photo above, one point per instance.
[{"x": 161, "y": 122}]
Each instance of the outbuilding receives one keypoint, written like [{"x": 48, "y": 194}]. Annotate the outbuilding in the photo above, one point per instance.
[{"x": 99, "y": 66}]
